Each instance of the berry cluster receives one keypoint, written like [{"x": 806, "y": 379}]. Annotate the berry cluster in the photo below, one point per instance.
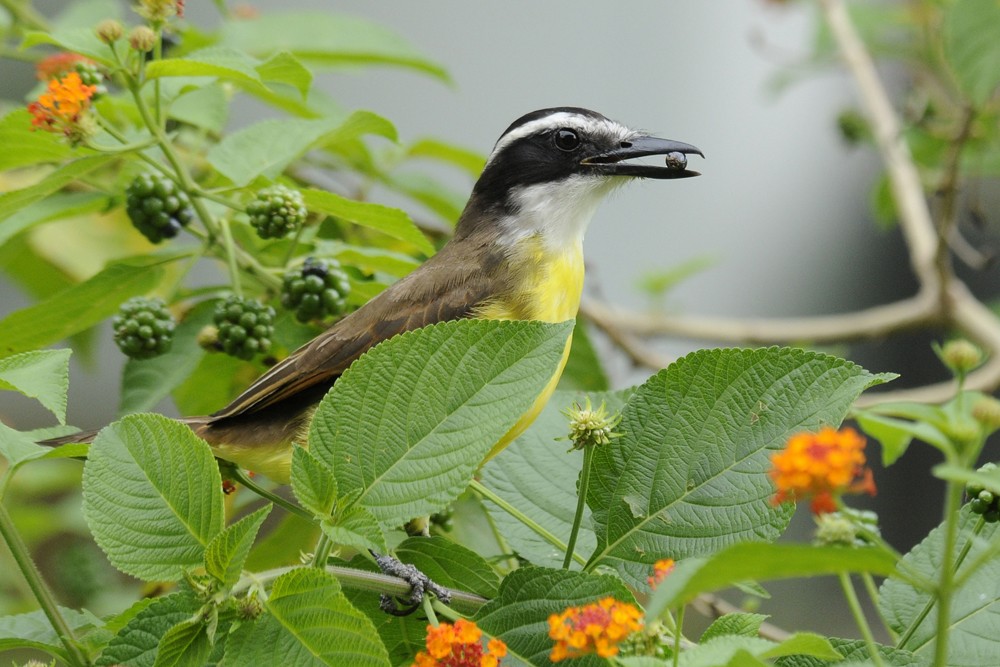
[
  {"x": 276, "y": 211},
  {"x": 157, "y": 207},
  {"x": 318, "y": 289},
  {"x": 981, "y": 501},
  {"x": 144, "y": 328},
  {"x": 245, "y": 327}
]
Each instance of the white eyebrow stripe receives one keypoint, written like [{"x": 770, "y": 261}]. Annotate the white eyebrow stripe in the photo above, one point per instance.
[{"x": 585, "y": 124}]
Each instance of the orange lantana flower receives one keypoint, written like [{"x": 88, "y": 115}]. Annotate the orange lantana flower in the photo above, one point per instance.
[
  {"x": 594, "y": 628},
  {"x": 661, "y": 569},
  {"x": 821, "y": 466},
  {"x": 62, "y": 106},
  {"x": 459, "y": 645},
  {"x": 59, "y": 64}
]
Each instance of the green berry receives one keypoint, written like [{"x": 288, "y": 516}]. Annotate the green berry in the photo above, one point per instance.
[
  {"x": 978, "y": 506},
  {"x": 144, "y": 328},
  {"x": 992, "y": 516},
  {"x": 316, "y": 290},
  {"x": 276, "y": 211},
  {"x": 245, "y": 327},
  {"x": 157, "y": 207}
]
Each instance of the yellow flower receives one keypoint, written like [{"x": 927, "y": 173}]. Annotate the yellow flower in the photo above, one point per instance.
[
  {"x": 594, "y": 628},
  {"x": 459, "y": 645},
  {"x": 821, "y": 466},
  {"x": 661, "y": 569},
  {"x": 62, "y": 106}
]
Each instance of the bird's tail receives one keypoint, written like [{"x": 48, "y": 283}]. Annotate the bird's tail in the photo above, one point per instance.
[{"x": 86, "y": 437}]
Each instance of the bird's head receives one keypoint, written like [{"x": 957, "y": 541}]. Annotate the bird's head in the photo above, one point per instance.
[{"x": 551, "y": 167}]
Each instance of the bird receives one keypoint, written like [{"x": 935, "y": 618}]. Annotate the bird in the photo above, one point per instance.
[{"x": 516, "y": 254}]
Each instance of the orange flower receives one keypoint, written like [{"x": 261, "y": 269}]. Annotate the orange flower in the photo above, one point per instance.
[
  {"x": 459, "y": 645},
  {"x": 661, "y": 569},
  {"x": 594, "y": 628},
  {"x": 61, "y": 108},
  {"x": 821, "y": 466},
  {"x": 59, "y": 64}
]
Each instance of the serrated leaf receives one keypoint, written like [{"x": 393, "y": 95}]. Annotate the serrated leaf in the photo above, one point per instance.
[
  {"x": 688, "y": 476},
  {"x": 76, "y": 39},
  {"x": 450, "y": 564},
  {"x": 855, "y": 654},
  {"x": 974, "y": 634},
  {"x": 185, "y": 645},
  {"x": 268, "y": 147},
  {"x": 723, "y": 650},
  {"x": 411, "y": 420},
  {"x": 355, "y": 527},
  {"x": 18, "y": 447},
  {"x": 528, "y": 596},
  {"x": 23, "y": 146},
  {"x": 217, "y": 61},
  {"x": 760, "y": 562},
  {"x": 33, "y": 630},
  {"x": 308, "y": 622},
  {"x": 972, "y": 44},
  {"x": 736, "y": 623},
  {"x": 76, "y": 308},
  {"x": 390, "y": 221},
  {"x": 313, "y": 482},
  {"x": 328, "y": 39},
  {"x": 41, "y": 374},
  {"x": 285, "y": 68},
  {"x": 152, "y": 496},
  {"x": 136, "y": 644},
  {"x": 14, "y": 201},
  {"x": 228, "y": 551},
  {"x": 539, "y": 476}
]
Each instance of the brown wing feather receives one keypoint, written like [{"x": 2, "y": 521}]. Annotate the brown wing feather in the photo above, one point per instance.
[{"x": 448, "y": 286}]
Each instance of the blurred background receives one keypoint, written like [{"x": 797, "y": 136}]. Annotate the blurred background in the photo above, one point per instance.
[{"x": 780, "y": 223}]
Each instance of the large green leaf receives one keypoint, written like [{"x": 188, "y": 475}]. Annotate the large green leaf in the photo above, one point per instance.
[
  {"x": 528, "y": 596},
  {"x": 19, "y": 447},
  {"x": 41, "y": 374},
  {"x": 308, "y": 622},
  {"x": 410, "y": 421},
  {"x": 135, "y": 645},
  {"x": 268, "y": 147},
  {"x": 390, "y": 221},
  {"x": 972, "y": 44},
  {"x": 688, "y": 476},
  {"x": 152, "y": 496},
  {"x": 326, "y": 38},
  {"x": 974, "y": 623},
  {"x": 219, "y": 61},
  {"x": 186, "y": 644},
  {"x": 539, "y": 476},
  {"x": 24, "y": 146},
  {"x": 33, "y": 630},
  {"x": 14, "y": 201},
  {"x": 856, "y": 654},
  {"x": 450, "y": 564},
  {"x": 76, "y": 39},
  {"x": 77, "y": 308}
]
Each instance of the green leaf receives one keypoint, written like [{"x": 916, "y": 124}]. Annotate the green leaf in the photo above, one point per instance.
[
  {"x": 411, "y": 420},
  {"x": 539, "y": 476},
  {"x": 205, "y": 107},
  {"x": 152, "y": 496},
  {"x": 286, "y": 68},
  {"x": 14, "y": 201},
  {"x": 471, "y": 162},
  {"x": 688, "y": 477},
  {"x": 268, "y": 147},
  {"x": 136, "y": 644},
  {"x": 583, "y": 371},
  {"x": 24, "y": 146},
  {"x": 33, "y": 630},
  {"x": 367, "y": 258},
  {"x": 440, "y": 200},
  {"x": 972, "y": 45},
  {"x": 722, "y": 650},
  {"x": 760, "y": 562},
  {"x": 528, "y": 596},
  {"x": 450, "y": 564},
  {"x": 973, "y": 637},
  {"x": 146, "y": 382},
  {"x": 18, "y": 447},
  {"x": 328, "y": 39},
  {"x": 77, "y": 308},
  {"x": 42, "y": 374},
  {"x": 78, "y": 40},
  {"x": 355, "y": 527},
  {"x": 736, "y": 623},
  {"x": 54, "y": 207},
  {"x": 313, "y": 482},
  {"x": 856, "y": 654},
  {"x": 218, "y": 61},
  {"x": 308, "y": 622},
  {"x": 185, "y": 645},
  {"x": 228, "y": 551},
  {"x": 390, "y": 221}
]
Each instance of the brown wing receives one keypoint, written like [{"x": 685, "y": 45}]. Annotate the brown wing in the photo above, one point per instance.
[{"x": 448, "y": 286}]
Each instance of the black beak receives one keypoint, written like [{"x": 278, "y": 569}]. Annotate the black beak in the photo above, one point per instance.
[{"x": 615, "y": 163}]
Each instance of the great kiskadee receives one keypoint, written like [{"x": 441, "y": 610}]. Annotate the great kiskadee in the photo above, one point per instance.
[{"x": 517, "y": 254}]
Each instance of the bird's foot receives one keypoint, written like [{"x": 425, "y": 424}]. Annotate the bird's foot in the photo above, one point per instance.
[{"x": 419, "y": 582}]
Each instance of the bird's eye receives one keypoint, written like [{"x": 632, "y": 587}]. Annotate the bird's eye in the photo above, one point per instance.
[{"x": 567, "y": 139}]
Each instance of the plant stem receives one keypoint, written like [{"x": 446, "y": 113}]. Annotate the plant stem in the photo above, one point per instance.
[
  {"x": 428, "y": 605},
  {"x": 230, "y": 245},
  {"x": 678, "y": 635},
  {"x": 581, "y": 503},
  {"x": 240, "y": 476},
  {"x": 478, "y": 487},
  {"x": 74, "y": 654},
  {"x": 872, "y": 591},
  {"x": 946, "y": 584},
  {"x": 324, "y": 545},
  {"x": 859, "y": 618}
]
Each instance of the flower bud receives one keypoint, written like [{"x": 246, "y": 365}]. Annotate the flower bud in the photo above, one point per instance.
[
  {"x": 986, "y": 411},
  {"x": 109, "y": 31},
  {"x": 961, "y": 356},
  {"x": 589, "y": 427},
  {"x": 142, "y": 39},
  {"x": 834, "y": 529}
]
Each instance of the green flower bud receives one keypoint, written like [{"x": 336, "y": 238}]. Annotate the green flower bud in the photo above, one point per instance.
[
  {"x": 589, "y": 427},
  {"x": 986, "y": 411},
  {"x": 961, "y": 356},
  {"x": 142, "y": 39},
  {"x": 109, "y": 31}
]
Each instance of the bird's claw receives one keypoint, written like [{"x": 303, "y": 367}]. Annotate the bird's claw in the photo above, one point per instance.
[{"x": 419, "y": 582}]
